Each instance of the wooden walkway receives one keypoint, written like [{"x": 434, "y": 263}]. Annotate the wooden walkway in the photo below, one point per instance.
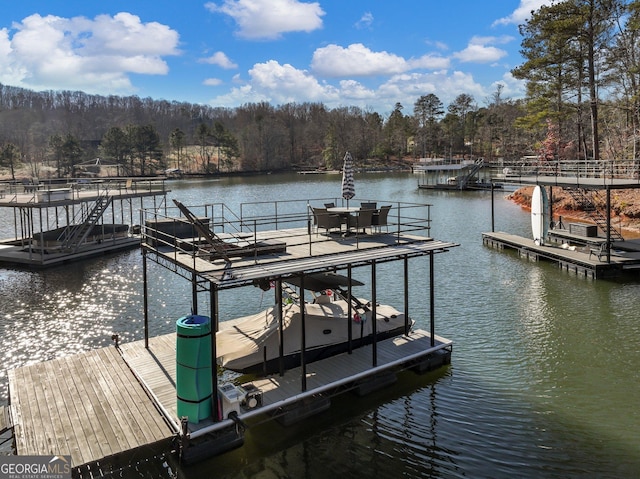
[
  {"x": 104, "y": 403},
  {"x": 89, "y": 406},
  {"x": 327, "y": 374}
]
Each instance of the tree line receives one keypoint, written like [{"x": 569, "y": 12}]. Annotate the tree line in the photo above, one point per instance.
[
  {"x": 143, "y": 136},
  {"x": 581, "y": 68}
]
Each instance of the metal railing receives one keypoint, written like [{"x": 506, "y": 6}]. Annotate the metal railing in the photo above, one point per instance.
[
  {"x": 69, "y": 189},
  {"x": 603, "y": 169},
  {"x": 292, "y": 219}
]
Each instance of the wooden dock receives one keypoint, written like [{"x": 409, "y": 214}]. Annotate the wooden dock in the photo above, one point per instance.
[
  {"x": 89, "y": 406},
  {"x": 156, "y": 367},
  {"x": 104, "y": 403},
  {"x": 579, "y": 261}
]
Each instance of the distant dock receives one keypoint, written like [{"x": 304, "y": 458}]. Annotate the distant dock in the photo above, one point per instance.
[
  {"x": 113, "y": 404},
  {"x": 583, "y": 261},
  {"x": 595, "y": 250},
  {"x": 55, "y": 223}
]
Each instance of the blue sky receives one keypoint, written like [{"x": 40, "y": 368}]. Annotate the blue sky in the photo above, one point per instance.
[{"x": 227, "y": 53}]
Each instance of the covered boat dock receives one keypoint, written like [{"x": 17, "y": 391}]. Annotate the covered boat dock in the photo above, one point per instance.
[
  {"x": 596, "y": 249},
  {"x": 146, "y": 369},
  {"x": 54, "y": 223}
]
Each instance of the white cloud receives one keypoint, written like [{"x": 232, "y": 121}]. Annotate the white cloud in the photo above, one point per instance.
[
  {"x": 407, "y": 88},
  {"x": 479, "y": 50},
  {"x": 220, "y": 59},
  {"x": 522, "y": 13},
  {"x": 356, "y": 60},
  {"x": 365, "y": 21},
  {"x": 278, "y": 84},
  {"x": 269, "y": 19},
  {"x": 212, "y": 82},
  {"x": 286, "y": 82},
  {"x": 92, "y": 55},
  {"x": 124, "y": 33},
  {"x": 512, "y": 87},
  {"x": 352, "y": 90},
  {"x": 441, "y": 46},
  {"x": 429, "y": 62}
]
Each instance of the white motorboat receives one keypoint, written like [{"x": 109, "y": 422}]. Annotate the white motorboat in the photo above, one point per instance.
[{"x": 251, "y": 344}]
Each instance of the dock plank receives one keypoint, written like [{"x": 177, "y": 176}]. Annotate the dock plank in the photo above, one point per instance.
[
  {"x": 85, "y": 428},
  {"x": 63, "y": 435},
  {"x": 110, "y": 415},
  {"x": 28, "y": 440},
  {"x": 132, "y": 402},
  {"x": 77, "y": 442},
  {"x": 104, "y": 436},
  {"x": 89, "y": 406}
]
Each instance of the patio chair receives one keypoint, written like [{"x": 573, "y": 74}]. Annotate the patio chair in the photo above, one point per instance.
[
  {"x": 324, "y": 220},
  {"x": 599, "y": 251},
  {"x": 368, "y": 206},
  {"x": 329, "y": 205},
  {"x": 380, "y": 218},
  {"x": 363, "y": 220}
]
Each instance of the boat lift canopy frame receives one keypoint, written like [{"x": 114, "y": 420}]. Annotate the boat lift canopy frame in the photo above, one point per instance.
[{"x": 215, "y": 279}]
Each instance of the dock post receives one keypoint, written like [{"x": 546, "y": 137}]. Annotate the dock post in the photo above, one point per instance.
[
  {"x": 145, "y": 299},
  {"x": 551, "y": 207},
  {"x": 374, "y": 314},
  {"x": 280, "y": 326},
  {"x": 608, "y": 224},
  {"x": 213, "y": 295},
  {"x": 303, "y": 343},
  {"x": 493, "y": 214},
  {"x": 194, "y": 293},
  {"x": 432, "y": 314},
  {"x": 349, "y": 312},
  {"x": 406, "y": 296}
]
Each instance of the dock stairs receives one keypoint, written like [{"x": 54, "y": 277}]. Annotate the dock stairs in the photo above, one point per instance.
[
  {"x": 73, "y": 236},
  {"x": 588, "y": 201},
  {"x": 473, "y": 171}
]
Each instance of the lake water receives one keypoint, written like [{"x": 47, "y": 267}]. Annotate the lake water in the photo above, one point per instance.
[{"x": 545, "y": 372}]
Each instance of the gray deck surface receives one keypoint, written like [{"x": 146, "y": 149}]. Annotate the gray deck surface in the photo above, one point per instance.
[
  {"x": 89, "y": 406},
  {"x": 157, "y": 368}
]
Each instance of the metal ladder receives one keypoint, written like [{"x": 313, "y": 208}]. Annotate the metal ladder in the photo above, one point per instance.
[{"x": 73, "y": 236}]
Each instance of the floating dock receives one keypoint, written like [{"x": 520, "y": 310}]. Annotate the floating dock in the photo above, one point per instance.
[
  {"x": 585, "y": 261},
  {"x": 90, "y": 406},
  {"x": 458, "y": 175},
  {"x": 576, "y": 247},
  {"x": 56, "y": 223},
  {"x": 115, "y": 404}
]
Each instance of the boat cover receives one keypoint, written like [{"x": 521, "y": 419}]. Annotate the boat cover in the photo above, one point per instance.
[{"x": 241, "y": 342}]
